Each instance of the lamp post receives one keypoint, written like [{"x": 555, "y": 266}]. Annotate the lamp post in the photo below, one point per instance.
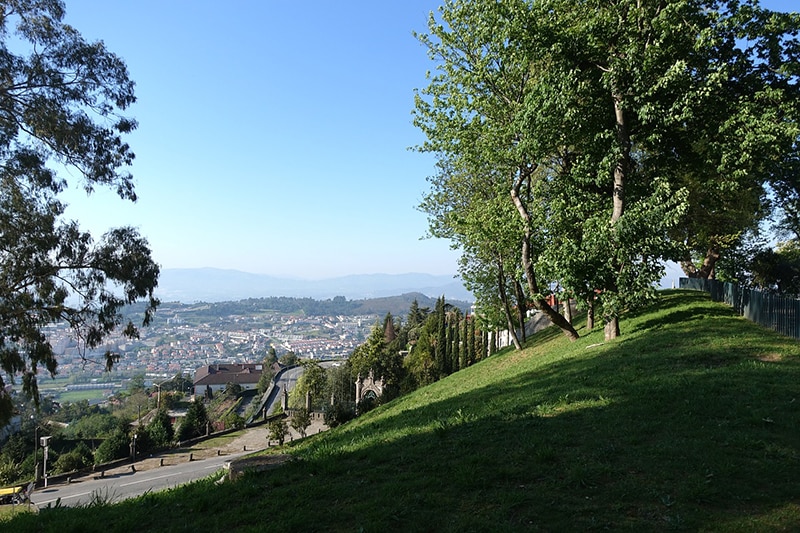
[{"x": 158, "y": 401}]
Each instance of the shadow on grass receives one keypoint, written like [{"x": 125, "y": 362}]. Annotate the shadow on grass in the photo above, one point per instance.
[{"x": 678, "y": 425}]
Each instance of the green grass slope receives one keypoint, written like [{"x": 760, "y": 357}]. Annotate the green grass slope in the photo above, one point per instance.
[{"x": 689, "y": 421}]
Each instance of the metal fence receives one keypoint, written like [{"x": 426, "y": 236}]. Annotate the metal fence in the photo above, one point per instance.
[{"x": 775, "y": 312}]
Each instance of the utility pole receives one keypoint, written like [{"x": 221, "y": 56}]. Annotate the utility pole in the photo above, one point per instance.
[
  {"x": 45, "y": 444},
  {"x": 35, "y": 451}
]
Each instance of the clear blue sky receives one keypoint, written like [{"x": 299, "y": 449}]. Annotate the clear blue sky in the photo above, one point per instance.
[{"x": 273, "y": 135}]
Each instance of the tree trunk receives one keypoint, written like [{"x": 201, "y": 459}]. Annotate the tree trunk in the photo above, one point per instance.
[
  {"x": 527, "y": 264},
  {"x": 707, "y": 270},
  {"x": 522, "y": 309},
  {"x": 590, "y": 313},
  {"x": 501, "y": 282},
  {"x": 568, "y": 310},
  {"x": 618, "y": 195},
  {"x": 611, "y": 328}
]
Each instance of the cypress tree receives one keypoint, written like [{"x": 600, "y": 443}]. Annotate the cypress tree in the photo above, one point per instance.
[
  {"x": 441, "y": 340},
  {"x": 465, "y": 342},
  {"x": 457, "y": 342}
]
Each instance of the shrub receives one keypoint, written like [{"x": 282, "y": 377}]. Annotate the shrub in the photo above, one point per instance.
[
  {"x": 233, "y": 420},
  {"x": 75, "y": 459},
  {"x": 278, "y": 429},
  {"x": 339, "y": 413},
  {"x": 115, "y": 447}
]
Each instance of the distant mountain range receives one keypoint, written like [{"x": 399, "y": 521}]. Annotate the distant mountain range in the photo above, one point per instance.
[{"x": 190, "y": 285}]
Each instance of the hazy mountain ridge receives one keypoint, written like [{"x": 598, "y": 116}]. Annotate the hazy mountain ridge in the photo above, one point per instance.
[{"x": 219, "y": 285}]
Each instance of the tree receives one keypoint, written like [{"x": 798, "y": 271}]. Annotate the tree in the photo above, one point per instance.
[
  {"x": 136, "y": 384},
  {"x": 289, "y": 359},
  {"x": 775, "y": 270},
  {"x": 61, "y": 99},
  {"x": 232, "y": 390},
  {"x": 93, "y": 426},
  {"x": 272, "y": 357},
  {"x": 160, "y": 430},
  {"x": 380, "y": 354},
  {"x": 471, "y": 114},
  {"x": 618, "y": 128},
  {"x": 278, "y": 429},
  {"x": 195, "y": 422},
  {"x": 267, "y": 373},
  {"x": 340, "y": 394},
  {"x": 311, "y": 382},
  {"x": 301, "y": 419}
]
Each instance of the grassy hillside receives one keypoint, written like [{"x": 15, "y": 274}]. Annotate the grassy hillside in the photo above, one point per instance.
[{"x": 689, "y": 421}]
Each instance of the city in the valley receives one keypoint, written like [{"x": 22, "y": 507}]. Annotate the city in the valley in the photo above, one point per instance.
[{"x": 184, "y": 337}]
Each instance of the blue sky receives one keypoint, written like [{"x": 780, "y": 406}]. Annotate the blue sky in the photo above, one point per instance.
[{"x": 273, "y": 135}]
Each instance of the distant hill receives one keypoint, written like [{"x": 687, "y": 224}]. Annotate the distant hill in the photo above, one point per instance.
[
  {"x": 398, "y": 306},
  {"x": 189, "y": 285}
]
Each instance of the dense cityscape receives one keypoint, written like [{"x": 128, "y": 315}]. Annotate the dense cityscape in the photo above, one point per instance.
[{"x": 179, "y": 342}]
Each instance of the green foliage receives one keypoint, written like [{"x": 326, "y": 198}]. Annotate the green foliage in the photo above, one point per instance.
[
  {"x": 339, "y": 412},
  {"x": 686, "y": 116},
  {"x": 234, "y": 420},
  {"x": 62, "y": 100},
  {"x": 136, "y": 385},
  {"x": 777, "y": 270},
  {"x": 160, "y": 430},
  {"x": 114, "y": 447},
  {"x": 232, "y": 390},
  {"x": 93, "y": 426},
  {"x": 10, "y": 472},
  {"x": 15, "y": 448},
  {"x": 195, "y": 423},
  {"x": 313, "y": 382},
  {"x": 381, "y": 356},
  {"x": 339, "y": 387},
  {"x": 300, "y": 421},
  {"x": 289, "y": 359},
  {"x": 278, "y": 429},
  {"x": 267, "y": 373},
  {"x": 77, "y": 458}
]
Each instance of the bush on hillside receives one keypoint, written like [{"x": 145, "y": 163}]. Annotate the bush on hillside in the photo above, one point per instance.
[{"x": 115, "y": 447}]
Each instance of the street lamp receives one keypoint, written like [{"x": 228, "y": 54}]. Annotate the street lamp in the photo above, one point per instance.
[{"x": 158, "y": 401}]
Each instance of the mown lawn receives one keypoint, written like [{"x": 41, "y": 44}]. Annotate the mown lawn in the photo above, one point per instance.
[{"x": 689, "y": 421}]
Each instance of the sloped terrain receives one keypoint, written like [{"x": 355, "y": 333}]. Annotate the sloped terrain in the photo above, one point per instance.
[{"x": 689, "y": 421}]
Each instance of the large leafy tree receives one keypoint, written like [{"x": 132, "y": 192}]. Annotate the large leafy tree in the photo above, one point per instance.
[
  {"x": 61, "y": 104},
  {"x": 620, "y": 125},
  {"x": 475, "y": 114}
]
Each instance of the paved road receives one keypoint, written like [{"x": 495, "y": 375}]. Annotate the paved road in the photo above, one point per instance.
[
  {"x": 158, "y": 473},
  {"x": 169, "y": 470},
  {"x": 128, "y": 484}
]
